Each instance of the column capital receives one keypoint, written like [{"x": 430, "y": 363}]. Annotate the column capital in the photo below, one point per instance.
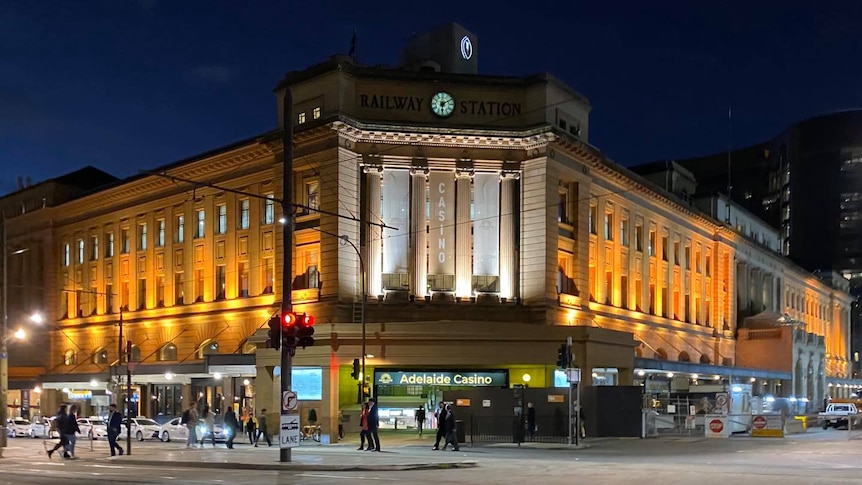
[
  {"x": 464, "y": 173},
  {"x": 510, "y": 175}
]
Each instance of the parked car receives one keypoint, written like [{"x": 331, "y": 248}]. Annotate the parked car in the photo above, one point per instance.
[
  {"x": 40, "y": 427},
  {"x": 93, "y": 427},
  {"x": 837, "y": 414},
  {"x": 17, "y": 427},
  {"x": 143, "y": 428},
  {"x": 175, "y": 430}
]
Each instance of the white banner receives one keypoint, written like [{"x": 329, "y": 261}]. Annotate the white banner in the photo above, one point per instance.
[
  {"x": 486, "y": 224},
  {"x": 395, "y": 212},
  {"x": 441, "y": 225}
]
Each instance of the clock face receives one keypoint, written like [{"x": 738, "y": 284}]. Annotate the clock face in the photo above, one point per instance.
[{"x": 443, "y": 104}]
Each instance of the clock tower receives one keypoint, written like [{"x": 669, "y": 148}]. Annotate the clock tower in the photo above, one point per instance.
[{"x": 451, "y": 48}]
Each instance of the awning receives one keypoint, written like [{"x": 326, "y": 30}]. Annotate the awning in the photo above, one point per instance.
[{"x": 709, "y": 369}]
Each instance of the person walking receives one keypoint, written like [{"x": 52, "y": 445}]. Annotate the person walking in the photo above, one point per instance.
[
  {"x": 340, "y": 425},
  {"x": 420, "y": 418},
  {"x": 531, "y": 420},
  {"x": 373, "y": 425},
  {"x": 440, "y": 416},
  {"x": 209, "y": 425},
  {"x": 192, "y": 425},
  {"x": 71, "y": 431},
  {"x": 262, "y": 429},
  {"x": 231, "y": 426},
  {"x": 115, "y": 421},
  {"x": 363, "y": 428},
  {"x": 250, "y": 427},
  {"x": 59, "y": 425},
  {"x": 581, "y": 429},
  {"x": 451, "y": 434}
]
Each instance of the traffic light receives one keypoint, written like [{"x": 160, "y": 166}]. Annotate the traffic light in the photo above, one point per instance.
[
  {"x": 356, "y": 370},
  {"x": 564, "y": 356},
  {"x": 305, "y": 330},
  {"x": 288, "y": 331},
  {"x": 274, "y": 334}
]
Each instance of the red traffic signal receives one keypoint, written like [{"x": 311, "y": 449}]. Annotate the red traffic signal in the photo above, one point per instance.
[
  {"x": 289, "y": 319},
  {"x": 305, "y": 320},
  {"x": 274, "y": 332}
]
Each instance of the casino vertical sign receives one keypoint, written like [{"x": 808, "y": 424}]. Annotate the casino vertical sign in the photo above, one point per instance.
[{"x": 441, "y": 224}]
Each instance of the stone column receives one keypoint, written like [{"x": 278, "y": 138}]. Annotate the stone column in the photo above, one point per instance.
[
  {"x": 463, "y": 261},
  {"x": 507, "y": 236},
  {"x": 418, "y": 234},
  {"x": 375, "y": 233}
]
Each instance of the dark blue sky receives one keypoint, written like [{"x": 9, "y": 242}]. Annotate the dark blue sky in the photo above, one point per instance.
[{"x": 131, "y": 85}]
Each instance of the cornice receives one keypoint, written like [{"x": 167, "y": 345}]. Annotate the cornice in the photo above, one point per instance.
[{"x": 404, "y": 135}]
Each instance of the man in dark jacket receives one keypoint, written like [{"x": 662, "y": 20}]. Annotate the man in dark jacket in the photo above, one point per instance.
[
  {"x": 441, "y": 426},
  {"x": 231, "y": 426},
  {"x": 115, "y": 421},
  {"x": 59, "y": 425},
  {"x": 451, "y": 435},
  {"x": 373, "y": 425}
]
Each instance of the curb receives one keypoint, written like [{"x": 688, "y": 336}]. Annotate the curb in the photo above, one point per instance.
[{"x": 300, "y": 467}]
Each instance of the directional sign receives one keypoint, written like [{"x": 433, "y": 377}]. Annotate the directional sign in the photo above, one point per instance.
[
  {"x": 288, "y": 436},
  {"x": 289, "y": 401}
]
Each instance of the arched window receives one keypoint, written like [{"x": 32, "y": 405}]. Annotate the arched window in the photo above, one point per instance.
[
  {"x": 704, "y": 359},
  {"x": 207, "y": 347},
  {"x": 167, "y": 352},
  {"x": 684, "y": 357},
  {"x": 136, "y": 354},
  {"x": 249, "y": 348},
  {"x": 70, "y": 357},
  {"x": 660, "y": 354},
  {"x": 100, "y": 356}
]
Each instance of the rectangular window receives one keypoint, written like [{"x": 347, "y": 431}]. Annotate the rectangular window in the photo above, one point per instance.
[
  {"x": 687, "y": 257},
  {"x": 160, "y": 291},
  {"x": 624, "y": 291},
  {"x": 311, "y": 195},
  {"x": 201, "y": 217},
  {"x": 697, "y": 259},
  {"x": 687, "y": 305},
  {"x": 181, "y": 228},
  {"x": 708, "y": 264},
  {"x": 125, "y": 241},
  {"x": 199, "y": 285},
  {"x": 315, "y": 113},
  {"x": 664, "y": 248},
  {"x": 676, "y": 253},
  {"x": 676, "y": 304},
  {"x": 160, "y": 233},
  {"x": 563, "y": 207},
  {"x": 300, "y": 119},
  {"x": 609, "y": 287},
  {"x": 94, "y": 248},
  {"x": 591, "y": 275},
  {"x": 651, "y": 247},
  {"x": 242, "y": 283},
  {"x": 79, "y": 303},
  {"x": 639, "y": 295},
  {"x": 179, "y": 289},
  {"x": 652, "y": 299},
  {"x": 109, "y": 247},
  {"x": 109, "y": 299},
  {"x": 125, "y": 293},
  {"x": 142, "y": 232},
  {"x": 268, "y": 275},
  {"x": 67, "y": 255},
  {"x": 221, "y": 221},
  {"x": 220, "y": 282},
  {"x": 80, "y": 251},
  {"x": 142, "y": 294},
  {"x": 594, "y": 214},
  {"x": 665, "y": 297},
  {"x": 639, "y": 237},
  {"x": 707, "y": 311},
  {"x": 624, "y": 232},
  {"x": 243, "y": 213},
  {"x": 609, "y": 226},
  {"x": 269, "y": 209}
]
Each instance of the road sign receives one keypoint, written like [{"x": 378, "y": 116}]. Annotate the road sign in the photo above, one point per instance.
[
  {"x": 289, "y": 402},
  {"x": 573, "y": 375},
  {"x": 758, "y": 422},
  {"x": 716, "y": 426},
  {"x": 288, "y": 436},
  {"x": 721, "y": 406},
  {"x": 769, "y": 426}
]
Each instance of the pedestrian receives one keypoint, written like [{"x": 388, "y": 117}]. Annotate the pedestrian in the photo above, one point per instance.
[
  {"x": 262, "y": 429},
  {"x": 340, "y": 425},
  {"x": 440, "y": 416},
  {"x": 373, "y": 425},
  {"x": 451, "y": 435},
  {"x": 59, "y": 425},
  {"x": 71, "y": 431},
  {"x": 531, "y": 420},
  {"x": 420, "y": 418},
  {"x": 581, "y": 421},
  {"x": 115, "y": 421},
  {"x": 250, "y": 427},
  {"x": 363, "y": 428},
  {"x": 231, "y": 425},
  {"x": 190, "y": 417},
  {"x": 312, "y": 417},
  {"x": 208, "y": 418}
]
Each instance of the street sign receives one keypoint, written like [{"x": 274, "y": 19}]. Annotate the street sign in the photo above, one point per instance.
[
  {"x": 716, "y": 426},
  {"x": 288, "y": 436},
  {"x": 289, "y": 402},
  {"x": 769, "y": 426},
  {"x": 721, "y": 406},
  {"x": 573, "y": 375},
  {"x": 758, "y": 422}
]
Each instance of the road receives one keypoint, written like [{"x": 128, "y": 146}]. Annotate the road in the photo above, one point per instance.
[{"x": 826, "y": 457}]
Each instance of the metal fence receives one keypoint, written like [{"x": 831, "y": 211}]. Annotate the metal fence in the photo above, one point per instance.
[{"x": 495, "y": 429}]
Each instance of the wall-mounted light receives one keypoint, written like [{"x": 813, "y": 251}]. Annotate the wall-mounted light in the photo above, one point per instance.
[{"x": 526, "y": 377}]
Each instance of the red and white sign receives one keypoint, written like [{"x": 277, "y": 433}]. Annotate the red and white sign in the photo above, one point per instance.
[
  {"x": 289, "y": 401},
  {"x": 716, "y": 426},
  {"x": 759, "y": 422}
]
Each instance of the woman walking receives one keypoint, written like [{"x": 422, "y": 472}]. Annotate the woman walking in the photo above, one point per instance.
[{"x": 363, "y": 434}]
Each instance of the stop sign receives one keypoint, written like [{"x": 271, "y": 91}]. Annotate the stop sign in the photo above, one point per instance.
[
  {"x": 759, "y": 422},
  {"x": 716, "y": 426}
]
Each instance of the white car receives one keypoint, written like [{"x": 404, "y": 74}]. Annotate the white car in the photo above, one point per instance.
[
  {"x": 173, "y": 430},
  {"x": 41, "y": 427},
  {"x": 17, "y": 427},
  {"x": 143, "y": 428},
  {"x": 93, "y": 427}
]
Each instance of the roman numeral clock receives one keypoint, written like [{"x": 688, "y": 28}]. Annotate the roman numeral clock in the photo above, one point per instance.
[{"x": 443, "y": 104}]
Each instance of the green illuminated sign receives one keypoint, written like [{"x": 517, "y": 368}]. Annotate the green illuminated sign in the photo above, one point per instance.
[{"x": 478, "y": 378}]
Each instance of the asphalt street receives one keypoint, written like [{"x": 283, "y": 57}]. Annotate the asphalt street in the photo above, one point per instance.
[{"x": 817, "y": 457}]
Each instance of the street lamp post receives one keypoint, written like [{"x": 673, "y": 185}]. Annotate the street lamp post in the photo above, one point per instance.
[
  {"x": 4, "y": 339},
  {"x": 345, "y": 239}
]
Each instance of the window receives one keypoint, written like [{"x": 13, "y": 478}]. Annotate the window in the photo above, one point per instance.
[
  {"x": 624, "y": 232},
  {"x": 664, "y": 248},
  {"x": 142, "y": 294},
  {"x": 94, "y": 248},
  {"x": 80, "y": 251},
  {"x": 639, "y": 237},
  {"x": 109, "y": 299},
  {"x": 242, "y": 272},
  {"x": 609, "y": 226},
  {"x": 563, "y": 206},
  {"x": 67, "y": 255},
  {"x": 594, "y": 214},
  {"x": 125, "y": 241},
  {"x": 167, "y": 352},
  {"x": 179, "y": 289},
  {"x": 697, "y": 259},
  {"x": 708, "y": 263},
  {"x": 243, "y": 213},
  {"x": 220, "y": 282},
  {"x": 109, "y": 247},
  {"x": 100, "y": 356},
  {"x": 124, "y": 295},
  {"x": 268, "y": 275},
  {"x": 181, "y": 228},
  {"x": 207, "y": 348},
  {"x": 201, "y": 217},
  {"x": 651, "y": 243},
  {"x": 315, "y": 113},
  {"x": 142, "y": 232},
  {"x": 687, "y": 256},
  {"x": 199, "y": 285},
  {"x": 311, "y": 195},
  {"x": 624, "y": 291},
  {"x": 135, "y": 355},
  {"x": 676, "y": 253},
  {"x": 300, "y": 119},
  {"x": 269, "y": 209},
  {"x": 221, "y": 222},
  {"x": 70, "y": 357},
  {"x": 160, "y": 291},
  {"x": 160, "y": 233}
]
